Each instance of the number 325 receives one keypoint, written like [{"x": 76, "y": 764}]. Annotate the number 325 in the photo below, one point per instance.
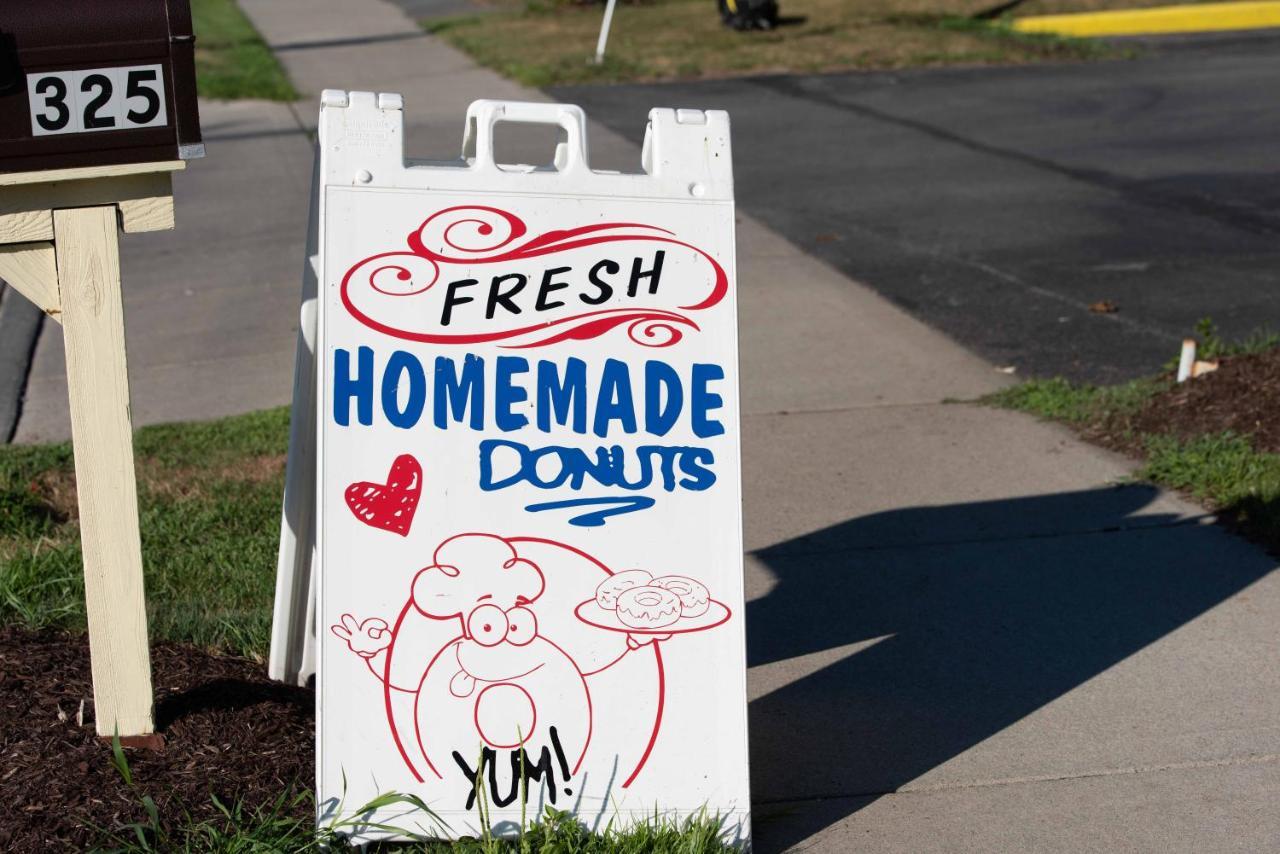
[{"x": 97, "y": 99}]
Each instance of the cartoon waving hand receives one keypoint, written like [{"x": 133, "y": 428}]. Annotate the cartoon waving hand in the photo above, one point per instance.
[{"x": 366, "y": 639}]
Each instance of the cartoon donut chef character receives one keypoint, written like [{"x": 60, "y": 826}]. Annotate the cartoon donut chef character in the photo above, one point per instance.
[{"x": 501, "y": 683}]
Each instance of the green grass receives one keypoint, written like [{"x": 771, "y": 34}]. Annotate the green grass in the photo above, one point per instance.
[
  {"x": 209, "y": 509},
  {"x": 1060, "y": 400},
  {"x": 286, "y": 825},
  {"x": 544, "y": 42},
  {"x": 277, "y": 828},
  {"x": 232, "y": 60},
  {"x": 1224, "y": 471}
]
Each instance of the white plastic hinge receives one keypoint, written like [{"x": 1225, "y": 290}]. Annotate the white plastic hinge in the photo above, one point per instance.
[{"x": 333, "y": 98}]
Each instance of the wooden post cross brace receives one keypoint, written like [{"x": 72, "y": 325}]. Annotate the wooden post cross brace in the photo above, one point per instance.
[{"x": 59, "y": 247}]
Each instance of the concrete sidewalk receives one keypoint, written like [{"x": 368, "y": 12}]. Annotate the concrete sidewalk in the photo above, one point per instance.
[{"x": 963, "y": 636}]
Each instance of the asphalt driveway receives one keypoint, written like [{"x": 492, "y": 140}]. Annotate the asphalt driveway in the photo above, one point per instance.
[{"x": 1000, "y": 204}]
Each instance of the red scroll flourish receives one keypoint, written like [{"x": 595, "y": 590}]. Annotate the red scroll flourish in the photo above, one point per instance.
[{"x": 472, "y": 235}]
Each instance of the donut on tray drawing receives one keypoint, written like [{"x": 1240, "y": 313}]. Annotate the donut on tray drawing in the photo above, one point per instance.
[
  {"x": 648, "y": 607},
  {"x": 644, "y": 602},
  {"x": 607, "y": 591},
  {"x": 694, "y": 597}
]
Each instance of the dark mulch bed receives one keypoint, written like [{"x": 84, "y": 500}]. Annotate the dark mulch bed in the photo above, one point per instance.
[
  {"x": 1243, "y": 396},
  {"x": 227, "y": 731}
]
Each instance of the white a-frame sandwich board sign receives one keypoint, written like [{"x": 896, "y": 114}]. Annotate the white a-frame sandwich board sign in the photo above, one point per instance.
[{"x": 528, "y": 531}]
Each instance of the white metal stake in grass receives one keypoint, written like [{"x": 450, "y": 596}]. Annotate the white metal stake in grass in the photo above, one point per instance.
[
  {"x": 59, "y": 248},
  {"x": 604, "y": 31},
  {"x": 1187, "y": 359}
]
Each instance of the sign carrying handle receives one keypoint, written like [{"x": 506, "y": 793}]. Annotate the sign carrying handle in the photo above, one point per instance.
[{"x": 571, "y": 155}]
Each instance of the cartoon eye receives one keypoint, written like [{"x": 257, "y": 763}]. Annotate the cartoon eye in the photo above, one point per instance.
[
  {"x": 487, "y": 625},
  {"x": 524, "y": 625}
]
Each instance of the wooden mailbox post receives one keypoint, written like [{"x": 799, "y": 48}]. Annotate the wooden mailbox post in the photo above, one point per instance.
[{"x": 97, "y": 110}]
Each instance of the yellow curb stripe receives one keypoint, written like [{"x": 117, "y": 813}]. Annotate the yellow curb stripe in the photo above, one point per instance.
[{"x": 1192, "y": 18}]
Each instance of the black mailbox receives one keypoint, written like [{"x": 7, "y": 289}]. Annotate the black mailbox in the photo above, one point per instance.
[{"x": 96, "y": 83}]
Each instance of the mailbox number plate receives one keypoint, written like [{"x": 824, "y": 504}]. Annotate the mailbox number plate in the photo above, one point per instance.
[{"x": 96, "y": 99}]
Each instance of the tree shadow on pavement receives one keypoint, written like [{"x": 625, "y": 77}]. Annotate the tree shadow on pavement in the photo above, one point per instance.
[{"x": 984, "y": 612}]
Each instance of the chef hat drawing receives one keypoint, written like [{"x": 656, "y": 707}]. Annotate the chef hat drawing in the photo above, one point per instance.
[{"x": 471, "y": 568}]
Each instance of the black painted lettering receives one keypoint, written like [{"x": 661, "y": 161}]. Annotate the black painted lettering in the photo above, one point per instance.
[
  {"x": 548, "y": 286},
  {"x": 473, "y": 776},
  {"x": 523, "y": 771},
  {"x": 605, "y": 289},
  {"x": 452, "y": 298},
  {"x": 652, "y": 274},
  {"x": 498, "y": 296}
]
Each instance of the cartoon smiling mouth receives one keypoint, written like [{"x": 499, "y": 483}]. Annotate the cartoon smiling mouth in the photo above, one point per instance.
[{"x": 463, "y": 683}]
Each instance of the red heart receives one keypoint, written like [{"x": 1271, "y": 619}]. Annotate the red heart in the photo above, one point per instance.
[{"x": 389, "y": 505}]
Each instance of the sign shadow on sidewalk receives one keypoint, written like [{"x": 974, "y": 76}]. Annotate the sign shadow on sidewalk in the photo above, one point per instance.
[{"x": 971, "y": 617}]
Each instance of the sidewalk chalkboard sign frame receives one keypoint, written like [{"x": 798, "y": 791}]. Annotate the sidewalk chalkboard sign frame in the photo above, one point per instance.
[{"x": 528, "y": 547}]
